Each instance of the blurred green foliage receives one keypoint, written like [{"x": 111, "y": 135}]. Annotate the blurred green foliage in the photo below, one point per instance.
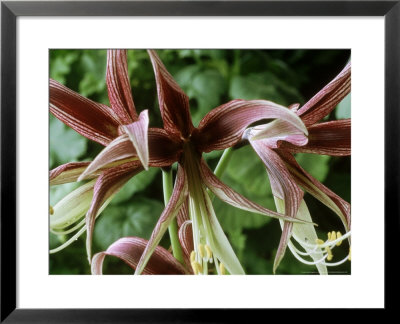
[{"x": 210, "y": 78}]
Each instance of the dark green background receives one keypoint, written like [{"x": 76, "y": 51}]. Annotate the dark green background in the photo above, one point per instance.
[{"x": 210, "y": 78}]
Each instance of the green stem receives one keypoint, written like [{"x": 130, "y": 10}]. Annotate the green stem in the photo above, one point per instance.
[
  {"x": 173, "y": 227},
  {"x": 221, "y": 166}
]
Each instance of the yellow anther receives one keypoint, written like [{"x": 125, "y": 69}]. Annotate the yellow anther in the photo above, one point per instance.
[
  {"x": 222, "y": 270},
  {"x": 329, "y": 236},
  {"x": 349, "y": 257},
  {"x": 319, "y": 241},
  {"x": 338, "y": 235},
  {"x": 333, "y": 236},
  {"x": 192, "y": 256},
  {"x": 51, "y": 210},
  {"x": 330, "y": 255},
  {"x": 197, "y": 268},
  {"x": 209, "y": 252},
  {"x": 202, "y": 251}
]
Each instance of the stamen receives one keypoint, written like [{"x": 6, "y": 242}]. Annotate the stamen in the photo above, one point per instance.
[
  {"x": 333, "y": 236},
  {"x": 222, "y": 270},
  {"x": 338, "y": 235},
  {"x": 197, "y": 268},
  {"x": 51, "y": 210},
  {"x": 192, "y": 256},
  {"x": 319, "y": 241},
  {"x": 329, "y": 251},
  {"x": 349, "y": 257},
  {"x": 209, "y": 252},
  {"x": 202, "y": 252},
  {"x": 329, "y": 236}
]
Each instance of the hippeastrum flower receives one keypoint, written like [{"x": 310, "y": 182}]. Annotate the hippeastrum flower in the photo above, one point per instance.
[
  {"x": 275, "y": 144},
  {"x": 105, "y": 125},
  {"x": 221, "y": 128}
]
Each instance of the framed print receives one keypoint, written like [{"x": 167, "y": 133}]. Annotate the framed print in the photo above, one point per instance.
[{"x": 191, "y": 123}]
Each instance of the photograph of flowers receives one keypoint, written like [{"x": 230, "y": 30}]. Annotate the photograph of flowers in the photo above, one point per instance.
[{"x": 200, "y": 161}]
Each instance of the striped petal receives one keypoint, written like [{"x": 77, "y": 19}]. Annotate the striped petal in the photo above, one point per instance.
[
  {"x": 107, "y": 185},
  {"x": 326, "y": 99},
  {"x": 223, "y": 127},
  {"x": 119, "y": 149},
  {"x": 235, "y": 199},
  {"x": 186, "y": 240},
  {"x": 284, "y": 187},
  {"x": 276, "y": 132},
  {"x": 90, "y": 119},
  {"x": 317, "y": 189},
  {"x": 330, "y": 138},
  {"x": 174, "y": 103},
  {"x": 178, "y": 197},
  {"x": 119, "y": 87},
  {"x": 129, "y": 250},
  {"x": 164, "y": 150},
  {"x": 138, "y": 135},
  {"x": 68, "y": 172}
]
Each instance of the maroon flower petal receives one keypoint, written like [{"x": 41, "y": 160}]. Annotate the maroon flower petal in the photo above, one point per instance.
[
  {"x": 326, "y": 99},
  {"x": 138, "y": 135},
  {"x": 174, "y": 103},
  {"x": 186, "y": 240},
  {"x": 108, "y": 184},
  {"x": 129, "y": 250},
  {"x": 119, "y": 87},
  {"x": 178, "y": 197},
  {"x": 228, "y": 195},
  {"x": 164, "y": 148},
  {"x": 284, "y": 187},
  {"x": 68, "y": 172},
  {"x": 90, "y": 119},
  {"x": 223, "y": 126},
  {"x": 119, "y": 149},
  {"x": 330, "y": 138},
  {"x": 183, "y": 214},
  {"x": 317, "y": 189}
]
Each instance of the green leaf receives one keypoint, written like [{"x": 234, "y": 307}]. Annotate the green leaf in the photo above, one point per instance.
[
  {"x": 343, "y": 109},
  {"x": 316, "y": 165},
  {"x": 60, "y": 63},
  {"x": 137, "y": 184},
  {"x": 135, "y": 218},
  {"x": 66, "y": 145}
]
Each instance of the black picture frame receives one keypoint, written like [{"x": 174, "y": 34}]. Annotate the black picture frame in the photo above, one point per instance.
[{"x": 11, "y": 10}]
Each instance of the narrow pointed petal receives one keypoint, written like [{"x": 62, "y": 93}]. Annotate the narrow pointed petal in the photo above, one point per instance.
[
  {"x": 72, "y": 207},
  {"x": 304, "y": 233},
  {"x": 318, "y": 190},
  {"x": 90, "y": 119},
  {"x": 276, "y": 132},
  {"x": 235, "y": 199},
  {"x": 326, "y": 99},
  {"x": 186, "y": 240},
  {"x": 119, "y": 149},
  {"x": 129, "y": 250},
  {"x": 223, "y": 126},
  {"x": 174, "y": 103},
  {"x": 68, "y": 172},
  {"x": 330, "y": 138},
  {"x": 178, "y": 197},
  {"x": 119, "y": 87},
  {"x": 107, "y": 185},
  {"x": 138, "y": 134},
  {"x": 283, "y": 186},
  {"x": 183, "y": 214}
]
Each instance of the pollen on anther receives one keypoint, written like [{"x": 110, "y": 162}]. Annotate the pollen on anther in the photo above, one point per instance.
[
  {"x": 349, "y": 257},
  {"x": 330, "y": 255},
  {"x": 208, "y": 251},
  {"x": 202, "y": 252},
  {"x": 338, "y": 235},
  {"x": 319, "y": 241},
  {"x": 222, "y": 270},
  {"x": 192, "y": 256},
  {"x": 51, "y": 210},
  {"x": 197, "y": 268}
]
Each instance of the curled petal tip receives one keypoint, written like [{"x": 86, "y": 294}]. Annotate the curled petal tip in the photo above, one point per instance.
[{"x": 138, "y": 134}]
